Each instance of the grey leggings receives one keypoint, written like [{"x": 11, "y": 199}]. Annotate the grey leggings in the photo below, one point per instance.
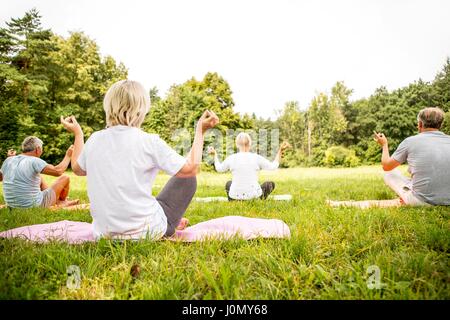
[
  {"x": 267, "y": 188},
  {"x": 174, "y": 198}
]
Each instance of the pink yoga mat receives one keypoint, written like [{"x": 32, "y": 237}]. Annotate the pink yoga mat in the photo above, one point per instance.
[{"x": 220, "y": 228}]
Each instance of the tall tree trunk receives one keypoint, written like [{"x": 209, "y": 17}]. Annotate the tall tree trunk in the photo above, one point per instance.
[{"x": 309, "y": 139}]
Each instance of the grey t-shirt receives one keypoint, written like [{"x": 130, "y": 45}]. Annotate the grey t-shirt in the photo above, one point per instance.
[
  {"x": 22, "y": 181},
  {"x": 428, "y": 157}
]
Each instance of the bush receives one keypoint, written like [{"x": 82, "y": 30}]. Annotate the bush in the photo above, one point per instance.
[
  {"x": 446, "y": 125},
  {"x": 340, "y": 156},
  {"x": 293, "y": 159}
]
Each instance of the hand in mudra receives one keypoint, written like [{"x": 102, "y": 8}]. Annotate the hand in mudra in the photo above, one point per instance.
[
  {"x": 285, "y": 145},
  {"x": 211, "y": 150},
  {"x": 11, "y": 153},
  {"x": 208, "y": 120},
  {"x": 71, "y": 124},
  {"x": 380, "y": 138}
]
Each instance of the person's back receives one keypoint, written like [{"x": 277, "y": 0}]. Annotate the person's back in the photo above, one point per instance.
[
  {"x": 244, "y": 167},
  {"x": 428, "y": 157},
  {"x": 21, "y": 181},
  {"x": 123, "y": 162}
]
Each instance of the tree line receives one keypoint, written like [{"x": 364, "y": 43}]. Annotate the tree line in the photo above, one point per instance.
[
  {"x": 333, "y": 130},
  {"x": 44, "y": 75}
]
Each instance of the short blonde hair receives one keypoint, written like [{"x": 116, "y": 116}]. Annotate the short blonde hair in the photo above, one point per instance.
[
  {"x": 243, "y": 140},
  {"x": 126, "y": 103}
]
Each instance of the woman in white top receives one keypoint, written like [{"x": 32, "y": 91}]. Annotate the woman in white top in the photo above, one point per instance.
[
  {"x": 244, "y": 167},
  {"x": 121, "y": 163}
]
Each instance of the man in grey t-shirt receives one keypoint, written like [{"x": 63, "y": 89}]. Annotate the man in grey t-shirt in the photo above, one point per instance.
[
  {"x": 428, "y": 158},
  {"x": 23, "y": 186}
]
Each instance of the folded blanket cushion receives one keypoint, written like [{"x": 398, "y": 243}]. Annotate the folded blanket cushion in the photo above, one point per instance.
[
  {"x": 231, "y": 226},
  {"x": 69, "y": 231},
  {"x": 221, "y": 228}
]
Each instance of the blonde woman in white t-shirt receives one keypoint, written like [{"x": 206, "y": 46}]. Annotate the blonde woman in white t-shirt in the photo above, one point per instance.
[
  {"x": 121, "y": 163},
  {"x": 244, "y": 167}
]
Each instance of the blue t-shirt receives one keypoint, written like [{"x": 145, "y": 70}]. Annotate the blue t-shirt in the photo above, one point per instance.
[{"x": 22, "y": 181}]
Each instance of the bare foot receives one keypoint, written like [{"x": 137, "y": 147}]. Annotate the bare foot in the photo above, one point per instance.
[
  {"x": 183, "y": 224},
  {"x": 67, "y": 203}
]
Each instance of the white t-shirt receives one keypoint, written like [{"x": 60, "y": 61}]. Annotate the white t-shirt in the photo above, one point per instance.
[
  {"x": 121, "y": 164},
  {"x": 244, "y": 167}
]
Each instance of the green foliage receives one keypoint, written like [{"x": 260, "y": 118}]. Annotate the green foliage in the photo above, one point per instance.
[
  {"x": 291, "y": 122},
  {"x": 185, "y": 103},
  {"x": 294, "y": 158},
  {"x": 334, "y": 120},
  {"x": 446, "y": 125},
  {"x": 44, "y": 76},
  {"x": 340, "y": 156}
]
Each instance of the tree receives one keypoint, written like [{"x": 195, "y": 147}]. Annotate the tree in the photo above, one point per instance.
[
  {"x": 441, "y": 94},
  {"x": 185, "y": 103},
  {"x": 43, "y": 76},
  {"x": 291, "y": 122},
  {"x": 326, "y": 120}
]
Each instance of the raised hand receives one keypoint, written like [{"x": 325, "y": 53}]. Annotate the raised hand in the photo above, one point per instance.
[
  {"x": 380, "y": 138},
  {"x": 208, "y": 120},
  {"x": 285, "y": 145},
  {"x": 11, "y": 153},
  {"x": 211, "y": 150},
  {"x": 71, "y": 124}
]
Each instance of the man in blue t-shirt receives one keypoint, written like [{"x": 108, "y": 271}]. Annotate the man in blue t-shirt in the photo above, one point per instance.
[
  {"x": 428, "y": 158},
  {"x": 23, "y": 186}
]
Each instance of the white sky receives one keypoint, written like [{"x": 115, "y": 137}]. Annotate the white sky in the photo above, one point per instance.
[{"x": 269, "y": 51}]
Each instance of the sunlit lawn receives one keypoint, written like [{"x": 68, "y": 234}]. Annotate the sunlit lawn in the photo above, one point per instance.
[{"x": 327, "y": 256}]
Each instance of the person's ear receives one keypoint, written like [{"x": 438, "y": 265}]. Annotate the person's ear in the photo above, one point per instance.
[{"x": 419, "y": 125}]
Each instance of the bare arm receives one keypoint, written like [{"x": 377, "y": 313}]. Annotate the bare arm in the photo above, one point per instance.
[
  {"x": 71, "y": 124},
  {"x": 219, "y": 166},
  {"x": 60, "y": 168},
  {"x": 194, "y": 158},
  {"x": 208, "y": 120},
  {"x": 387, "y": 161}
]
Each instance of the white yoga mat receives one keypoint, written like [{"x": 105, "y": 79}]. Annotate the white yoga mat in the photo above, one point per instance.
[
  {"x": 278, "y": 197},
  {"x": 366, "y": 204}
]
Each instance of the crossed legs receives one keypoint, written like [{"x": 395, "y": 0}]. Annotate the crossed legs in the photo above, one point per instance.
[
  {"x": 227, "y": 190},
  {"x": 57, "y": 193},
  {"x": 267, "y": 188},
  {"x": 395, "y": 180},
  {"x": 174, "y": 198},
  {"x": 402, "y": 186}
]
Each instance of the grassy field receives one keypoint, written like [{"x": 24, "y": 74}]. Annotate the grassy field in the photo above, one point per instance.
[{"x": 327, "y": 257}]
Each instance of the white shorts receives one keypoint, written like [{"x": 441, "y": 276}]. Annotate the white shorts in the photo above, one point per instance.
[
  {"x": 402, "y": 186},
  {"x": 48, "y": 198}
]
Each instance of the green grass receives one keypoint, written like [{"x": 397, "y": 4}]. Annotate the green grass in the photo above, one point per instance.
[{"x": 326, "y": 258}]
